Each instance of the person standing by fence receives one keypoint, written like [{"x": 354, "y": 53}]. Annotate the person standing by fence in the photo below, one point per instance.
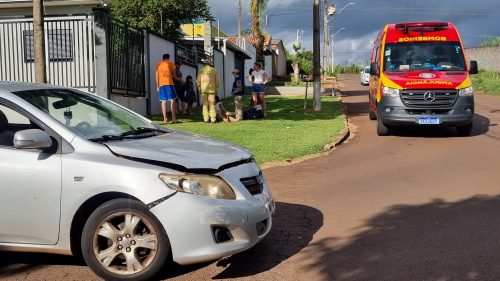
[
  {"x": 237, "y": 92},
  {"x": 259, "y": 78},
  {"x": 208, "y": 84},
  {"x": 179, "y": 86},
  {"x": 165, "y": 75}
]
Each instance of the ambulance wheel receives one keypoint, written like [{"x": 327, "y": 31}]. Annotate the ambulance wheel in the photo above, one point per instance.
[
  {"x": 372, "y": 114},
  {"x": 382, "y": 129},
  {"x": 465, "y": 130}
]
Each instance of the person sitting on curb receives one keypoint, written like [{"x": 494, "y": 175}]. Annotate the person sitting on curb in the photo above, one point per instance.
[{"x": 222, "y": 113}]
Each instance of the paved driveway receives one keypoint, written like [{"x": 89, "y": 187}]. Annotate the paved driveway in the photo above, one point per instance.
[{"x": 421, "y": 205}]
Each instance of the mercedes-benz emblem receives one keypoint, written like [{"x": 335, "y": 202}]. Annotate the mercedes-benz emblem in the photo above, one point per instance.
[{"x": 430, "y": 96}]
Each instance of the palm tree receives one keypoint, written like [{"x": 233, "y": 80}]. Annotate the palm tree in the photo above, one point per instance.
[{"x": 257, "y": 8}]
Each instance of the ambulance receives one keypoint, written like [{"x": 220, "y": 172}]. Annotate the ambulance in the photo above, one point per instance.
[{"x": 419, "y": 76}]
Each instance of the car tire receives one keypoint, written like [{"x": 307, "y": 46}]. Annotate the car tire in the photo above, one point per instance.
[
  {"x": 123, "y": 240},
  {"x": 464, "y": 130},
  {"x": 382, "y": 129}
]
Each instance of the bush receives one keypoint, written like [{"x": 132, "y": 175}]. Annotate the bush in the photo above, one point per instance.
[
  {"x": 487, "y": 81},
  {"x": 351, "y": 69}
]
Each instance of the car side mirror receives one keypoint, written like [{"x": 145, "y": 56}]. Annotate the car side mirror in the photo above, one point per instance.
[
  {"x": 32, "y": 139},
  {"x": 473, "y": 68},
  {"x": 374, "y": 69}
]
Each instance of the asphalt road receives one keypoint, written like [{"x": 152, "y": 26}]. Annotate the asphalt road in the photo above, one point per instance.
[{"x": 420, "y": 205}]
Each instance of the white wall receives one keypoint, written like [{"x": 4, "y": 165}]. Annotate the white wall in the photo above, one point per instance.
[
  {"x": 157, "y": 47},
  {"x": 138, "y": 105},
  {"x": 229, "y": 66},
  {"x": 268, "y": 61},
  {"x": 219, "y": 66}
]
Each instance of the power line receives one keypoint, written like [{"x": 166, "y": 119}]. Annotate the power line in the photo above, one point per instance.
[{"x": 293, "y": 13}]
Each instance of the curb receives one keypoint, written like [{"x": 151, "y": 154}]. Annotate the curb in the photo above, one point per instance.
[
  {"x": 346, "y": 133},
  {"x": 340, "y": 139}
]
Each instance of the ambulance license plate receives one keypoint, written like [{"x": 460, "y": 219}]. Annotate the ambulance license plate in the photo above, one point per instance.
[{"x": 428, "y": 121}]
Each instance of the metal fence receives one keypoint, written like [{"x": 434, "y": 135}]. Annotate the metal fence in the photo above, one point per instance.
[
  {"x": 69, "y": 44},
  {"x": 127, "y": 60}
]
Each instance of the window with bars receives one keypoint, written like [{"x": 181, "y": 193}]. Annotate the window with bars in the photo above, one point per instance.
[{"x": 60, "y": 45}]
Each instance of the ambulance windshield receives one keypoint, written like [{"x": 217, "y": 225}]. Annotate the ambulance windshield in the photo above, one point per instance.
[{"x": 434, "y": 56}]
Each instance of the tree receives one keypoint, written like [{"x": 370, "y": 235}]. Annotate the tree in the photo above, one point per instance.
[
  {"x": 300, "y": 62},
  {"x": 297, "y": 60},
  {"x": 257, "y": 9},
  {"x": 39, "y": 34},
  {"x": 162, "y": 16},
  {"x": 492, "y": 41}
]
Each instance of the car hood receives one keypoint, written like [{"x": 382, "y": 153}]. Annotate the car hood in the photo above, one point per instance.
[
  {"x": 181, "y": 151},
  {"x": 428, "y": 79}
]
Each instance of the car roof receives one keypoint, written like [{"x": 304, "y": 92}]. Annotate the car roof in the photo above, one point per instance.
[{"x": 22, "y": 86}]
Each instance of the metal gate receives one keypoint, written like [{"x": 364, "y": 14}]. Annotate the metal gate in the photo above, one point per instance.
[
  {"x": 69, "y": 44},
  {"x": 127, "y": 60}
]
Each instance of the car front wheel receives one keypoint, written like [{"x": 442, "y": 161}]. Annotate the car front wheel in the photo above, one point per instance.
[{"x": 122, "y": 240}]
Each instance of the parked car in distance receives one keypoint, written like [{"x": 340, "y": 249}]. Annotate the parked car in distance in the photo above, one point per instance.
[
  {"x": 83, "y": 175},
  {"x": 365, "y": 76}
]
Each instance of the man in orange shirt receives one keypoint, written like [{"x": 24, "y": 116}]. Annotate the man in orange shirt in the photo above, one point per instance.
[{"x": 165, "y": 75}]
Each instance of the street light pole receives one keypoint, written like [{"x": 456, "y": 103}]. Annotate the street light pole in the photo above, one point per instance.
[
  {"x": 332, "y": 12},
  {"x": 333, "y": 38}
]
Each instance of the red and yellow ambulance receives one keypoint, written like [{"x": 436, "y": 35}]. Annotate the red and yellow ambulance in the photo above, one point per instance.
[{"x": 419, "y": 77}]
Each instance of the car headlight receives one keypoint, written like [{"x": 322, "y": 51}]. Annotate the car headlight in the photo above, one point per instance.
[
  {"x": 390, "y": 92},
  {"x": 211, "y": 186},
  {"x": 466, "y": 92}
]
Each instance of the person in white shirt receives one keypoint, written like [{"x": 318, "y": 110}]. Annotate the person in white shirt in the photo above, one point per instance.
[{"x": 259, "y": 78}]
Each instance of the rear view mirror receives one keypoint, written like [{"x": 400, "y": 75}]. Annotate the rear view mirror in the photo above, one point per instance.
[
  {"x": 64, "y": 103},
  {"x": 473, "y": 68},
  {"x": 32, "y": 139},
  {"x": 374, "y": 69}
]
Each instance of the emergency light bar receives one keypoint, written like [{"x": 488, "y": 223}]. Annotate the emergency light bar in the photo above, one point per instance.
[{"x": 420, "y": 26}]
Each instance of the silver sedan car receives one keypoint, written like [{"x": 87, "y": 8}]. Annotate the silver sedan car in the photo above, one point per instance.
[{"x": 83, "y": 175}]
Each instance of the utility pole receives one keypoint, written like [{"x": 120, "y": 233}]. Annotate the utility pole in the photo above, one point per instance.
[
  {"x": 325, "y": 36},
  {"x": 239, "y": 24},
  {"x": 39, "y": 41},
  {"x": 316, "y": 57},
  {"x": 267, "y": 22}
]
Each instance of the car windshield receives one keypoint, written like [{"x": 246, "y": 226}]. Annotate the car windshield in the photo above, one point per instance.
[
  {"x": 88, "y": 115},
  {"x": 441, "y": 56},
  {"x": 367, "y": 69}
]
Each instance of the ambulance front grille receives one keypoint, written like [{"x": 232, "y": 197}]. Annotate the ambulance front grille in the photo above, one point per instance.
[{"x": 429, "y": 98}]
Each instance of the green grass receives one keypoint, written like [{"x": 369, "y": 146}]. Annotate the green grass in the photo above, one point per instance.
[
  {"x": 288, "y": 131},
  {"x": 487, "y": 81}
]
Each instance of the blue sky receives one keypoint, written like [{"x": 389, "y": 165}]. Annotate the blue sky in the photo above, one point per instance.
[{"x": 475, "y": 20}]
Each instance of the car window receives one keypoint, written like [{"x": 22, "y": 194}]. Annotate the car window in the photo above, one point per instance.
[
  {"x": 88, "y": 115},
  {"x": 14, "y": 117},
  {"x": 12, "y": 121},
  {"x": 418, "y": 56}
]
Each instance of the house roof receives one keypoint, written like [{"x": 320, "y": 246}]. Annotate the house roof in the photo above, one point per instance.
[
  {"x": 276, "y": 41},
  {"x": 251, "y": 40}
]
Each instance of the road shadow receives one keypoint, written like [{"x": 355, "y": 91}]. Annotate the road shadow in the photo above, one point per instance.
[
  {"x": 354, "y": 109},
  {"x": 481, "y": 126},
  {"x": 434, "y": 241},
  {"x": 15, "y": 263},
  {"x": 293, "y": 228}
]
